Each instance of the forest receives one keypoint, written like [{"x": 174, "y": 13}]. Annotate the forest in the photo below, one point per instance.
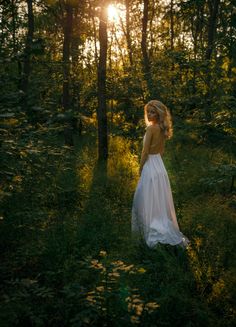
[{"x": 75, "y": 76}]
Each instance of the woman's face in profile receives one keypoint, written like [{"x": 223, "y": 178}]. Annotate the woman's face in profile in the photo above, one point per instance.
[{"x": 151, "y": 114}]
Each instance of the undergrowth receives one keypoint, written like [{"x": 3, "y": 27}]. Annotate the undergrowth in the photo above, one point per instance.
[{"x": 69, "y": 258}]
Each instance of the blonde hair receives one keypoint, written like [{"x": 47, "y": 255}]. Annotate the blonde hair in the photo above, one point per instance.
[{"x": 164, "y": 117}]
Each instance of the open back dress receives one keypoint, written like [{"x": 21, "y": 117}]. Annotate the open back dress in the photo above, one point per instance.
[{"x": 153, "y": 211}]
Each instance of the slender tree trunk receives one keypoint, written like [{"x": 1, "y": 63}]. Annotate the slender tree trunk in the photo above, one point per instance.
[
  {"x": 75, "y": 36},
  {"x": 195, "y": 38},
  {"x": 202, "y": 23},
  {"x": 146, "y": 61},
  {"x": 101, "y": 110},
  {"x": 213, "y": 6},
  {"x": 231, "y": 43},
  {"x": 231, "y": 54},
  {"x": 172, "y": 35},
  {"x": 2, "y": 23},
  {"x": 14, "y": 15},
  {"x": 171, "y": 26},
  {"x": 14, "y": 11},
  {"x": 126, "y": 31},
  {"x": 27, "y": 52},
  {"x": 109, "y": 64},
  {"x": 197, "y": 27},
  {"x": 120, "y": 49},
  {"x": 66, "y": 55},
  {"x": 151, "y": 29},
  {"x": 68, "y": 132},
  {"x": 92, "y": 16},
  {"x": 75, "y": 78},
  {"x": 127, "y": 34}
]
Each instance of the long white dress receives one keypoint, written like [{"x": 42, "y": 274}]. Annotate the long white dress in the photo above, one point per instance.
[{"x": 153, "y": 212}]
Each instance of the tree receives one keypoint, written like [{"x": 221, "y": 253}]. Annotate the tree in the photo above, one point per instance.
[
  {"x": 146, "y": 59},
  {"x": 27, "y": 53},
  {"x": 213, "y": 7},
  {"x": 66, "y": 70},
  {"x": 128, "y": 37},
  {"x": 102, "y": 110}
]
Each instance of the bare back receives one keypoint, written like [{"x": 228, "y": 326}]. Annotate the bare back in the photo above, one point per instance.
[{"x": 154, "y": 142}]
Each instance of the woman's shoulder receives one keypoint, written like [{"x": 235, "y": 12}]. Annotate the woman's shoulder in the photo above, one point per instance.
[{"x": 153, "y": 128}]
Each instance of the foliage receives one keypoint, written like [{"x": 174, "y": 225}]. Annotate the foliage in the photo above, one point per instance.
[{"x": 69, "y": 258}]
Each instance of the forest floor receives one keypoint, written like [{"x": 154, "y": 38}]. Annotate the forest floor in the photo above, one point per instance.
[{"x": 68, "y": 256}]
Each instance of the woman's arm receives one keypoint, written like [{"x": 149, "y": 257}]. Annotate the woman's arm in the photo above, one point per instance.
[{"x": 146, "y": 147}]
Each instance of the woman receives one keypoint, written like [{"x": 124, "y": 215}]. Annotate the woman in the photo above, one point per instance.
[{"x": 153, "y": 212}]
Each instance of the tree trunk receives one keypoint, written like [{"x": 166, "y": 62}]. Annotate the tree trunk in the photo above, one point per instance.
[
  {"x": 172, "y": 35},
  {"x": 171, "y": 26},
  {"x": 213, "y": 6},
  {"x": 146, "y": 61},
  {"x": 92, "y": 17},
  {"x": 101, "y": 110},
  {"x": 14, "y": 16},
  {"x": 197, "y": 28},
  {"x": 66, "y": 55},
  {"x": 66, "y": 72},
  {"x": 153, "y": 10},
  {"x": 76, "y": 68},
  {"x": 232, "y": 58},
  {"x": 14, "y": 12},
  {"x": 26, "y": 60},
  {"x": 128, "y": 37}
]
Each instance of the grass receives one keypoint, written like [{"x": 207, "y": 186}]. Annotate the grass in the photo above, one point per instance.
[{"x": 69, "y": 258}]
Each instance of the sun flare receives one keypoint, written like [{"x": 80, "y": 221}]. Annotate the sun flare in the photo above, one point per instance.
[{"x": 113, "y": 13}]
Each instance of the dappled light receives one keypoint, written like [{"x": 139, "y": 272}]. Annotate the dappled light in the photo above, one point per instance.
[{"x": 75, "y": 77}]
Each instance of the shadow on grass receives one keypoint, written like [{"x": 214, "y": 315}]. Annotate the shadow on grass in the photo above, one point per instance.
[{"x": 96, "y": 230}]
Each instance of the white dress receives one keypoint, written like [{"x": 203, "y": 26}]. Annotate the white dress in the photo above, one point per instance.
[{"x": 153, "y": 212}]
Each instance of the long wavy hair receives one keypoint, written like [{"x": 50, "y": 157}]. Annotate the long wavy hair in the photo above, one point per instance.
[{"x": 163, "y": 117}]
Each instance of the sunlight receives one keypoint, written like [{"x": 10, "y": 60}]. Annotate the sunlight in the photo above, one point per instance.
[
  {"x": 113, "y": 13},
  {"x": 116, "y": 20}
]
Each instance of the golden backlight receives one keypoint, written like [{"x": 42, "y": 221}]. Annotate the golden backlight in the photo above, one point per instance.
[{"x": 113, "y": 13}]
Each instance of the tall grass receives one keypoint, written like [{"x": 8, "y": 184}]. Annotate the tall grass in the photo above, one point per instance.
[{"x": 70, "y": 259}]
